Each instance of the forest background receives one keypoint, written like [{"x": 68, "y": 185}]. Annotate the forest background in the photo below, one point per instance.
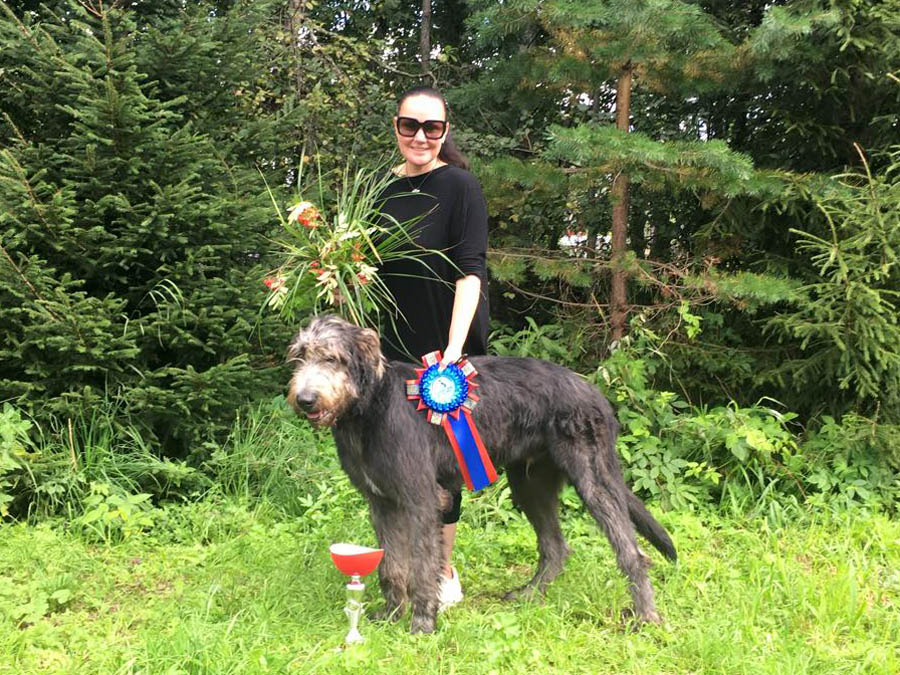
[
  {"x": 695, "y": 205},
  {"x": 730, "y": 173}
]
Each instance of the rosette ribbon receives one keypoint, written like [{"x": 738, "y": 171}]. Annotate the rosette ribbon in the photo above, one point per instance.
[{"x": 448, "y": 397}]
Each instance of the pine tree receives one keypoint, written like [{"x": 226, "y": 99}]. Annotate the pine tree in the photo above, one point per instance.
[
  {"x": 848, "y": 324},
  {"x": 127, "y": 267},
  {"x": 593, "y": 55},
  {"x": 669, "y": 46}
]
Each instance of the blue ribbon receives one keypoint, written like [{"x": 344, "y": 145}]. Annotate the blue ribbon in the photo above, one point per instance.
[
  {"x": 446, "y": 395},
  {"x": 466, "y": 442}
]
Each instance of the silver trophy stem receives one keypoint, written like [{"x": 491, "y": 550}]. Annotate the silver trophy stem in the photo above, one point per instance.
[{"x": 353, "y": 610}]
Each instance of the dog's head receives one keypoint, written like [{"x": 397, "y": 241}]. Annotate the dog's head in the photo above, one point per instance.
[{"x": 336, "y": 365}]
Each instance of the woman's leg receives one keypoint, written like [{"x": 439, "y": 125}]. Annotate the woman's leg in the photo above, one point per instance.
[
  {"x": 448, "y": 534},
  {"x": 448, "y": 537},
  {"x": 450, "y": 590}
]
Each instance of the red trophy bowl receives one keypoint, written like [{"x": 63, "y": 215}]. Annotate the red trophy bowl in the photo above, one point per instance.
[{"x": 355, "y": 560}]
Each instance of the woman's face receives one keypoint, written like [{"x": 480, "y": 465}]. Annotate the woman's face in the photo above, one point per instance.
[{"x": 417, "y": 150}]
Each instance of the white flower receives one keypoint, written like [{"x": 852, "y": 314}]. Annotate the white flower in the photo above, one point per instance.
[{"x": 368, "y": 270}]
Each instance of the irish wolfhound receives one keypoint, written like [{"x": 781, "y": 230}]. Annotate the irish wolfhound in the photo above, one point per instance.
[{"x": 541, "y": 422}]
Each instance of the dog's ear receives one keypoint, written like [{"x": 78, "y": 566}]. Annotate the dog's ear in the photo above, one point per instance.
[{"x": 370, "y": 348}]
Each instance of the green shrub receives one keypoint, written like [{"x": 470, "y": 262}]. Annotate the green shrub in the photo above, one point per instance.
[
  {"x": 14, "y": 454},
  {"x": 129, "y": 249},
  {"x": 112, "y": 514},
  {"x": 673, "y": 451},
  {"x": 847, "y": 324},
  {"x": 56, "y": 472},
  {"x": 845, "y": 463},
  {"x": 272, "y": 455},
  {"x": 539, "y": 341},
  {"x": 744, "y": 458}
]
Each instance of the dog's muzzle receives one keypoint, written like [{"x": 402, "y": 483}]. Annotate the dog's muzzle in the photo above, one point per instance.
[{"x": 307, "y": 402}]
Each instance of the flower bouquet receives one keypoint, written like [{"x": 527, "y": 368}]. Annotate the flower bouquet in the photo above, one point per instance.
[{"x": 333, "y": 248}]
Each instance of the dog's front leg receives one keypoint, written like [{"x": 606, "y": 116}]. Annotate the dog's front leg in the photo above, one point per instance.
[
  {"x": 392, "y": 530},
  {"x": 425, "y": 568}
]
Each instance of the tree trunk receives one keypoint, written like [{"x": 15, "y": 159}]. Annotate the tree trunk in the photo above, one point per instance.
[
  {"x": 292, "y": 21},
  {"x": 618, "y": 246},
  {"x": 425, "y": 37}
]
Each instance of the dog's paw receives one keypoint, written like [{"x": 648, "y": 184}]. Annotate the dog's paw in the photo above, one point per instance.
[
  {"x": 633, "y": 621},
  {"x": 422, "y": 624}
]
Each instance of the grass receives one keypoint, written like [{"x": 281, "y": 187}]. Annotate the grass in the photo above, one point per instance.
[
  {"x": 228, "y": 585},
  {"x": 236, "y": 577}
]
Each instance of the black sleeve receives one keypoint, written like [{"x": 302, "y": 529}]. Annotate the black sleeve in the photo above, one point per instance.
[{"x": 469, "y": 231}]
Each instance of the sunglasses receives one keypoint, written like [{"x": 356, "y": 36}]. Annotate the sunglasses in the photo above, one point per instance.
[{"x": 409, "y": 127}]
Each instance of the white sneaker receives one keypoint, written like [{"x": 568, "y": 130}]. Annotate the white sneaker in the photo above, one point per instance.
[{"x": 450, "y": 591}]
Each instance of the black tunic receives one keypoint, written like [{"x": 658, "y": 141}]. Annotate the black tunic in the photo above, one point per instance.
[{"x": 455, "y": 223}]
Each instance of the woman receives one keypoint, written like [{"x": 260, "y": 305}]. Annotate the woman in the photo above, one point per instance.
[{"x": 448, "y": 312}]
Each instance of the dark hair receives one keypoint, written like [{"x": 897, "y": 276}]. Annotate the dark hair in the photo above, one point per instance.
[{"x": 449, "y": 152}]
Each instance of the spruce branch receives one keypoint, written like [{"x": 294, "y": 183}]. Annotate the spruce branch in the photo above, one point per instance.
[
  {"x": 40, "y": 300},
  {"x": 22, "y": 27}
]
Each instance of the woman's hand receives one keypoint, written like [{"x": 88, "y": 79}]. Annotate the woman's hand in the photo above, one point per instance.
[
  {"x": 465, "y": 302},
  {"x": 451, "y": 354}
]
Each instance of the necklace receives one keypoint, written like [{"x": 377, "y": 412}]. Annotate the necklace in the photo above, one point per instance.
[{"x": 418, "y": 189}]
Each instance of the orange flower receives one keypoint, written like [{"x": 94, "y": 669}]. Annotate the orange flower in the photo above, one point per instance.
[
  {"x": 274, "y": 284},
  {"x": 306, "y": 214}
]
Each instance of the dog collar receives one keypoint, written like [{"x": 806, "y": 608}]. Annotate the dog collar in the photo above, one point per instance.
[{"x": 447, "y": 395}]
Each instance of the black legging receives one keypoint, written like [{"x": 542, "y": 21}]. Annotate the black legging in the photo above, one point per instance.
[{"x": 451, "y": 515}]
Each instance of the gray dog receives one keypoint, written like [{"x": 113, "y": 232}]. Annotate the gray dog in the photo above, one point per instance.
[{"x": 541, "y": 422}]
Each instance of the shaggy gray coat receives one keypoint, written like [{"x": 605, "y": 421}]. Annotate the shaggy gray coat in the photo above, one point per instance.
[{"x": 540, "y": 421}]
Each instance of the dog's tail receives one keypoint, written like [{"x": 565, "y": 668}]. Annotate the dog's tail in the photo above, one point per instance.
[{"x": 647, "y": 526}]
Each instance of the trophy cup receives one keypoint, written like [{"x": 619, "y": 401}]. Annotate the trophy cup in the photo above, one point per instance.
[{"x": 355, "y": 561}]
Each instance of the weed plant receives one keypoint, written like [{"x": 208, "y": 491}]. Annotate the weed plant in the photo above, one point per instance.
[
  {"x": 744, "y": 459},
  {"x": 273, "y": 456},
  {"x": 53, "y": 470}
]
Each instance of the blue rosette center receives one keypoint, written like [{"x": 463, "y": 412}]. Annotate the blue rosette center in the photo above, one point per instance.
[{"x": 443, "y": 390}]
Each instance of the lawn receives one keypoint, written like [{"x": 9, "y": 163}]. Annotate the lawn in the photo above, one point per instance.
[{"x": 225, "y": 585}]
